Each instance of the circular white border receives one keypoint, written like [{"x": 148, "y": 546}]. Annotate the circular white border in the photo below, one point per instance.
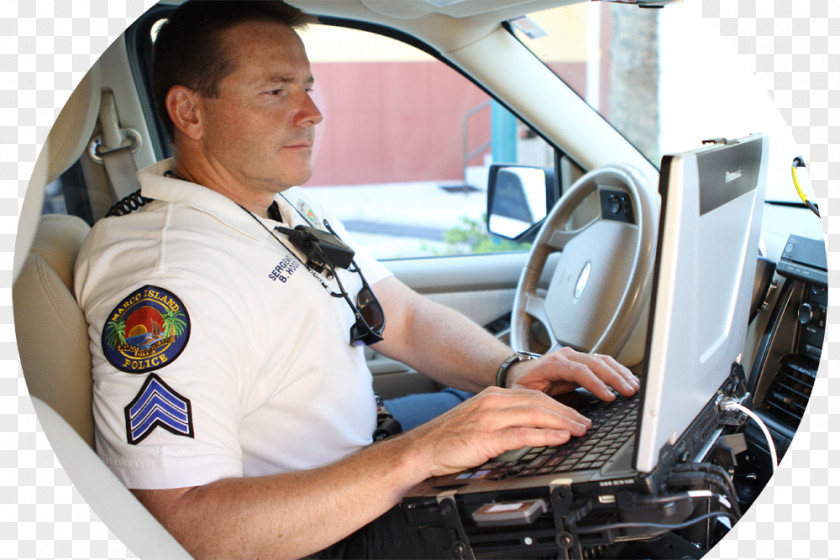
[{"x": 794, "y": 48}]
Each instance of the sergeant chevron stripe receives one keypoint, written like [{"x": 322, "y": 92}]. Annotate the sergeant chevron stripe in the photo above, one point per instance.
[{"x": 157, "y": 404}]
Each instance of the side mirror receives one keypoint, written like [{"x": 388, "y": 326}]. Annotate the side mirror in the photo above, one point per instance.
[{"x": 518, "y": 199}]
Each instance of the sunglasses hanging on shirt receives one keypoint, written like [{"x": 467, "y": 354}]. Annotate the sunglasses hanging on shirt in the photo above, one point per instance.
[
  {"x": 322, "y": 248},
  {"x": 326, "y": 251}
]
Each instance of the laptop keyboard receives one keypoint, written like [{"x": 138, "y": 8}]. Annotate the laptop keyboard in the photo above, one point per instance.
[{"x": 612, "y": 425}]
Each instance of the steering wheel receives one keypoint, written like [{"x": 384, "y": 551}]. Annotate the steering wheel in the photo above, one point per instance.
[{"x": 601, "y": 283}]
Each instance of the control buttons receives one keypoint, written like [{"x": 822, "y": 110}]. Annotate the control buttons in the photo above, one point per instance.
[
  {"x": 805, "y": 314},
  {"x": 614, "y": 204}
]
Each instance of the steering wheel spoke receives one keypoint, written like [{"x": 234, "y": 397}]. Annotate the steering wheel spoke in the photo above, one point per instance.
[
  {"x": 559, "y": 238},
  {"x": 535, "y": 307}
]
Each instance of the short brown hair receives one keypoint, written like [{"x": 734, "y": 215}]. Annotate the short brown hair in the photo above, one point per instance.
[{"x": 189, "y": 51}]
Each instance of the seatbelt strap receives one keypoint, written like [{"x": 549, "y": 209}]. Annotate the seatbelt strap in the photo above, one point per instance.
[
  {"x": 114, "y": 148},
  {"x": 121, "y": 171}
]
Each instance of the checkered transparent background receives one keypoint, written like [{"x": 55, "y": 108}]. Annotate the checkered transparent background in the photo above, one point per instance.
[{"x": 792, "y": 45}]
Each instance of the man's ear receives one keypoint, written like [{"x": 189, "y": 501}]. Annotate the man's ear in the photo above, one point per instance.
[{"x": 183, "y": 106}]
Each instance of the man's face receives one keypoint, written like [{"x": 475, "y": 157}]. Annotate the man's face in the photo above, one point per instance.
[{"x": 261, "y": 127}]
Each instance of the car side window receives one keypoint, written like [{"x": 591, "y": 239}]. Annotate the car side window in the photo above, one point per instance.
[{"x": 403, "y": 152}]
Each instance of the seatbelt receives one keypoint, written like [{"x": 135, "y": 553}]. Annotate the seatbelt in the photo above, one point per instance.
[{"x": 114, "y": 148}]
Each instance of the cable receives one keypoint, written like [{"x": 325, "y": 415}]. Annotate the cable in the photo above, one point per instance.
[
  {"x": 697, "y": 478},
  {"x": 667, "y": 527},
  {"x": 729, "y": 404},
  {"x": 799, "y": 162},
  {"x": 128, "y": 204},
  {"x": 689, "y": 495},
  {"x": 720, "y": 473}
]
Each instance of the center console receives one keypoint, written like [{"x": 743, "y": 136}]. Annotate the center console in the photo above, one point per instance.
[{"x": 789, "y": 351}]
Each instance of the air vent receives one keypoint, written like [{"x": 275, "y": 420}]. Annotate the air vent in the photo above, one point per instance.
[{"x": 788, "y": 394}]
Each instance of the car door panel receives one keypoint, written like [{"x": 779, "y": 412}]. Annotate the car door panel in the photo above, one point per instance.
[{"x": 481, "y": 287}]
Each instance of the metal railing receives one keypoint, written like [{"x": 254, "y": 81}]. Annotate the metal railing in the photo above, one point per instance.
[{"x": 466, "y": 153}]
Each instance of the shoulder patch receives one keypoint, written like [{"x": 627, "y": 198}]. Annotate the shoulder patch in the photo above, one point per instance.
[
  {"x": 157, "y": 405},
  {"x": 147, "y": 330}
]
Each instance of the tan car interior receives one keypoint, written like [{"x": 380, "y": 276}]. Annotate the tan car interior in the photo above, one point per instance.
[{"x": 42, "y": 294}]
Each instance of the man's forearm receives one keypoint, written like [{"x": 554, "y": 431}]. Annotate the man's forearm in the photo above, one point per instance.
[
  {"x": 296, "y": 514},
  {"x": 438, "y": 341},
  {"x": 291, "y": 514},
  {"x": 453, "y": 350}
]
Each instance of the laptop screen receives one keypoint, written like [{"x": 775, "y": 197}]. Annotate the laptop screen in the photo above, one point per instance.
[{"x": 712, "y": 201}]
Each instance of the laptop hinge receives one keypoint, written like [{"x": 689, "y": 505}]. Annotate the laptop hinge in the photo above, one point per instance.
[
  {"x": 460, "y": 544},
  {"x": 568, "y": 544}
]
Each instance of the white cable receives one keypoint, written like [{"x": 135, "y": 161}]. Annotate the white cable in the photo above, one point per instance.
[
  {"x": 709, "y": 494},
  {"x": 754, "y": 417}
]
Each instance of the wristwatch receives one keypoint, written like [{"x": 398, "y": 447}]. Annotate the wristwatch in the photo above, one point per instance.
[{"x": 515, "y": 358}]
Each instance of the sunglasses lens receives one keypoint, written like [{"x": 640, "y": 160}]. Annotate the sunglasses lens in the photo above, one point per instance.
[
  {"x": 360, "y": 335},
  {"x": 368, "y": 329},
  {"x": 370, "y": 309}
]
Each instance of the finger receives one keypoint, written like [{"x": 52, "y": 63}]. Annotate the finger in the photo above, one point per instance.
[
  {"x": 527, "y": 407},
  {"x": 580, "y": 369},
  {"x": 543, "y": 418},
  {"x": 516, "y": 438},
  {"x": 612, "y": 373},
  {"x": 616, "y": 366}
]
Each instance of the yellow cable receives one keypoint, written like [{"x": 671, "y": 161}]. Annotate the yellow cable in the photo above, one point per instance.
[
  {"x": 796, "y": 184},
  {"x": 798, "y": 162}
]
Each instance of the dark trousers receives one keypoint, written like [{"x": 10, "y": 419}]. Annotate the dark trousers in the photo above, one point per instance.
[{"x": 391, "y": 537}]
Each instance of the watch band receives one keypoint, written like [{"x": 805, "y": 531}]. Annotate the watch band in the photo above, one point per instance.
[{"x": 515, "y": 358}]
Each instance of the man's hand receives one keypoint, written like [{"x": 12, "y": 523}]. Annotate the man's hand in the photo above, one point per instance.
[
  {"x": 494, "y": 421},
  {"x": 566, "y": 369}
]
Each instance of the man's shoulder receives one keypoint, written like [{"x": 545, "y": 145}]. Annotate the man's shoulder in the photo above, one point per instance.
[{"x": 126, "y": 228}]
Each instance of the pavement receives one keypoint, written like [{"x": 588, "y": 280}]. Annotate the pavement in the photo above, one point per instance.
[{"x": 403, "y": 220}]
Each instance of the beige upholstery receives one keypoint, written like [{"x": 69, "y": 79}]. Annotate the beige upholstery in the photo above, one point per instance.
[
  {"x": 50, "y": 327},
  {"x": 65, "y": 143},
  {"x": 69, "y": 136}
]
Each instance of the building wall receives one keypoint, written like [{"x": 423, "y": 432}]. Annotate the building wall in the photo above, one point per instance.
[{"x": 388, "y": 120}]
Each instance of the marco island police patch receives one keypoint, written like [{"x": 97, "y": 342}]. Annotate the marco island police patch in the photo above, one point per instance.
[{"x": 147, "y": 330}]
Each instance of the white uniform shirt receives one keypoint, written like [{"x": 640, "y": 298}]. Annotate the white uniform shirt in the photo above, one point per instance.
[{"x": 216, "y": 353}]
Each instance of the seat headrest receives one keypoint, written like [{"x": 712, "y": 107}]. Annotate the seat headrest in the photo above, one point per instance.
[
  {"x": 70, "y": 135},
  {"x": 57, "y": 241},
  {"x": 65, "y": 143}
]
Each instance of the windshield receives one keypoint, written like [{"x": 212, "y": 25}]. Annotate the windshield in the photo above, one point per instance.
[{"x": 663, "y": 78}]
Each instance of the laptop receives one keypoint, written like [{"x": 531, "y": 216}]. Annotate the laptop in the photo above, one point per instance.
[{"x": 711, "y": 210}]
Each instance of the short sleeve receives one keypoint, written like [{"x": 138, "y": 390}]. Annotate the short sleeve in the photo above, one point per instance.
[{"x": 167, "y": 360}]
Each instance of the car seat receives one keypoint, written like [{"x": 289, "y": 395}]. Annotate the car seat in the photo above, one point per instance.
[
  {"x": 52, "y": 336},
  {"x": 50, "y": 328}
]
